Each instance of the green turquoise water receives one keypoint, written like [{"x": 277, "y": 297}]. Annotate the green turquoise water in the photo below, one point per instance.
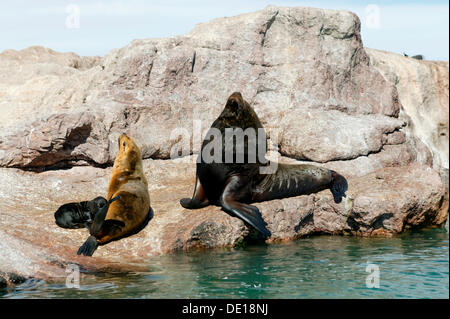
[{"x": 413, "y": 265}]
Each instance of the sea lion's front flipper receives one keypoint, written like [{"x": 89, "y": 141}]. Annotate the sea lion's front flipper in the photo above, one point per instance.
[
  {"x": 99, "y": 218},
  {"x": 109, "y": 230},
  {"x": 198, "y": 200},
  {"x": 89, "y": 246},
  {"x": 248, "y": 213}
]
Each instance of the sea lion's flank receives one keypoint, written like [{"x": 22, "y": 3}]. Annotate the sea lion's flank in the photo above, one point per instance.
[
  {"x": 127, "y": 210},
  {"x": 233, "y": 186}
]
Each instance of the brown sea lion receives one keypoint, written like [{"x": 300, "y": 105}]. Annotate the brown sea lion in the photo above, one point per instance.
[
  {"x": 233, "y": 185},
  {"x": 125, "y": 213},
  {"x": 131, "y": 211}
]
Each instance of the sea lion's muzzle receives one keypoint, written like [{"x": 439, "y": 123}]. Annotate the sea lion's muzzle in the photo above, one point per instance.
[
  {"x": 235, "y": 100},
  {"x": 121, "y": 137}
]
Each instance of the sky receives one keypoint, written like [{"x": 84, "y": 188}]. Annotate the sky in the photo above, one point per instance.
[{"x": 93, "y": 27}]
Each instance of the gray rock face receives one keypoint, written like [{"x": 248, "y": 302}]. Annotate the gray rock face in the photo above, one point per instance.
[
  {"x": 423, "y": 92},
  {"x": 318, "y": 92},
  {"x": 302, "y": 69}
]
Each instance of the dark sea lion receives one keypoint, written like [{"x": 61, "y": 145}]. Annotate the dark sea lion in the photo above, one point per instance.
[
  {"x": 234, "y": 185},
  {"x": 125, "y": 213},
  {"x": 417, "y": 57},
  {"x": 79, "y": 215},
  {"x": 86, "y": 214}
]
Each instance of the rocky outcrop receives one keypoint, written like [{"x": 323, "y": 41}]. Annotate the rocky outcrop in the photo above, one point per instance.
[
  {"x": 318, "y": 92},
  {"x": 423, "y": 92},
  {"x": 298, "y": 67},
  {"x": 383, "y": 203}
]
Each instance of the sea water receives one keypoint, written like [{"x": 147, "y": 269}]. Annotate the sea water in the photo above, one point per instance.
[{"x": 411, "y": 265}]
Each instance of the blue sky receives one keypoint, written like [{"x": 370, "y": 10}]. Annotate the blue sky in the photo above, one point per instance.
[{"x": 414, "y": 27}]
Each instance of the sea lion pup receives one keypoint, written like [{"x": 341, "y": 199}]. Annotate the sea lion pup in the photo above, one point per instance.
[
  {"x": 131, "y": 210},
  {"x": 233, "y": 185},
  {"x": 83, "y": 214}
]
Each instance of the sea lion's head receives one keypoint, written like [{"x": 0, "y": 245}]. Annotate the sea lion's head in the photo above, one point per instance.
[
  {"x": 238, "y": 113},
  {"x": 97, "y": 204},
  {"x": 235, "y": 108},
  {"x": 126, "y": 143},
  {"x": 235, "y": 101},
  {"x": 78, "y": 215},
  {"x": 129, "y": 153}
]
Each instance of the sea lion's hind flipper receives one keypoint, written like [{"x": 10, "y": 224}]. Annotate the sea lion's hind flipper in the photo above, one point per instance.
[
  {"x": 249, "y": 214},
  {"x": 89, "y": 246},
  {"x": 338, "y": 186},
  {"x": 198, "y": 200}
]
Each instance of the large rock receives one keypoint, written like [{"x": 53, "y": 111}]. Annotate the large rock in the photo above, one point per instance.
[
  {"x": 423, "y": 88},
  {"x": 304, "y": 71},
  {"x": 382, "y": 203}
]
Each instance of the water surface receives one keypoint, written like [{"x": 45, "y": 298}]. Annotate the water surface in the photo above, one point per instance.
[{"x": 412, "y": 265}]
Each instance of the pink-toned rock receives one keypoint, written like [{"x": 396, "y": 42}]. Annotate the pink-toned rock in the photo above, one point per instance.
[
  {"x": 385, "y": 202},
  {"x": 332, "y": 136},
  {"x": 423, "y": 88},
  {"x": 304, "y": 70}
]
